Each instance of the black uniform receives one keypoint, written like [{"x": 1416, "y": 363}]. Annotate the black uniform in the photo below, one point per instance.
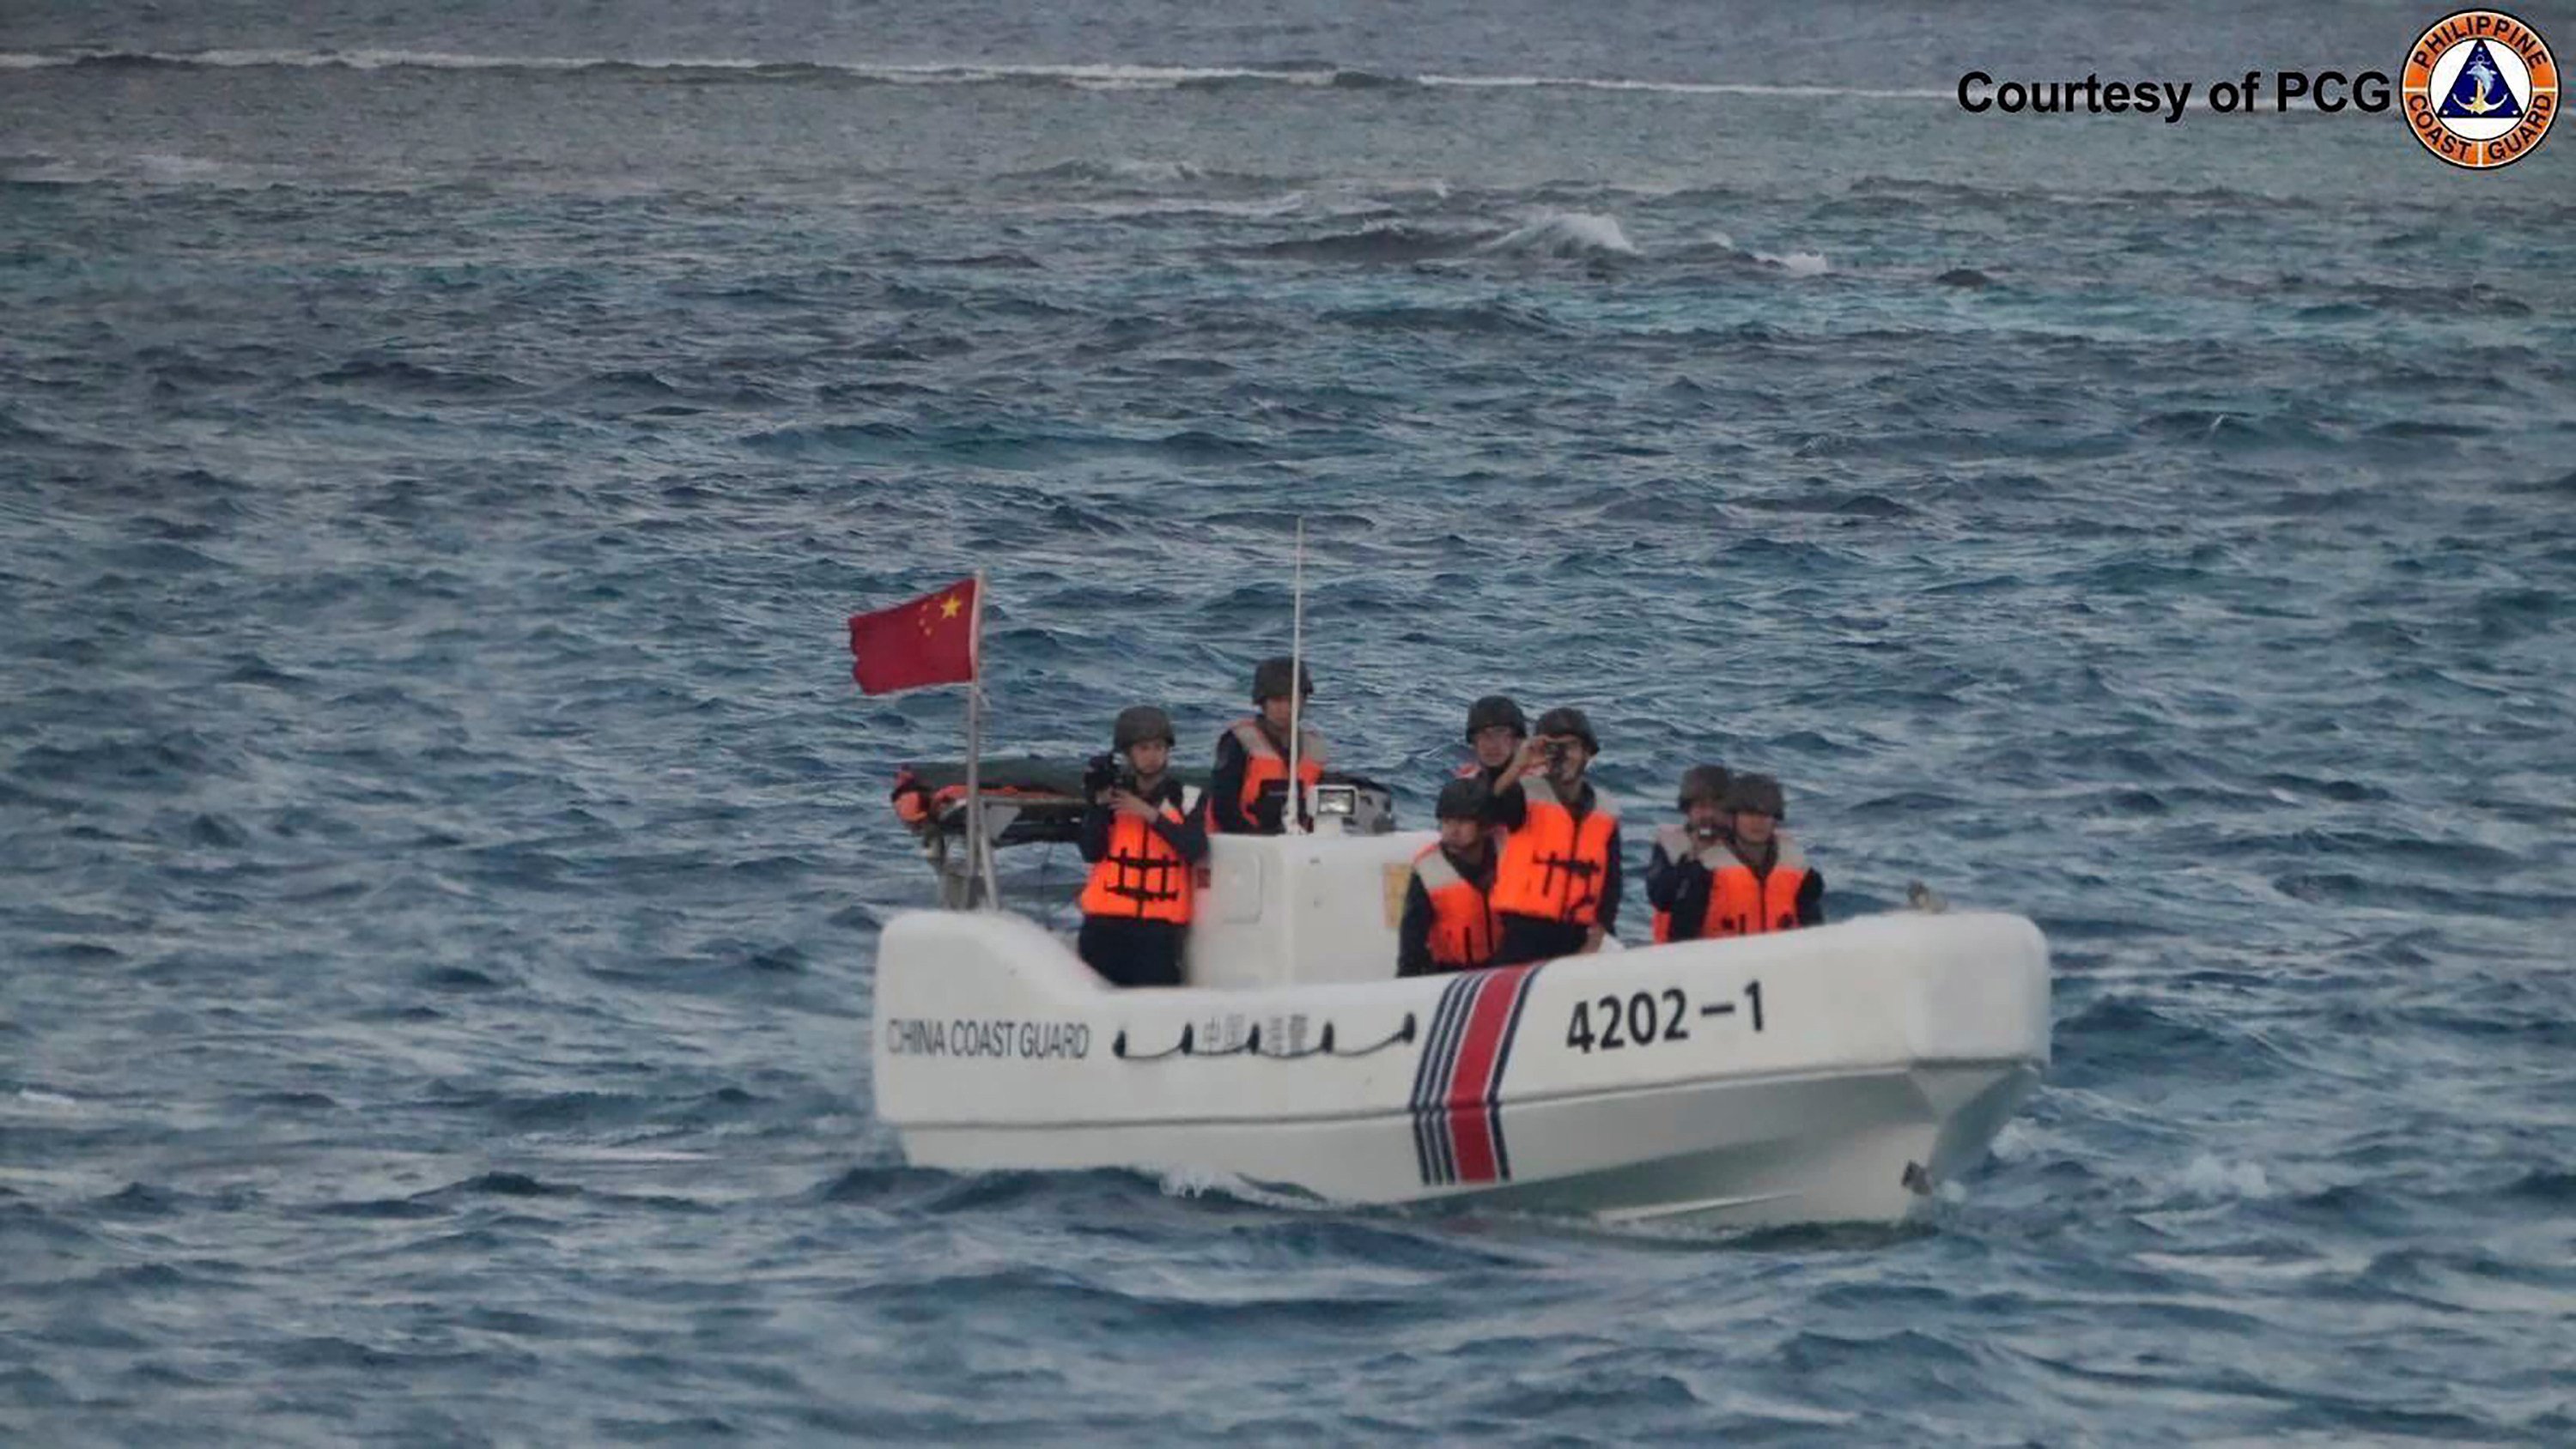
[{"x": 1668, "y": 876}]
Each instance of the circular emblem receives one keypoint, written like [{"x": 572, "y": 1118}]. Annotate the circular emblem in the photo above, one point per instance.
[{"x": 2480, "y": 89}]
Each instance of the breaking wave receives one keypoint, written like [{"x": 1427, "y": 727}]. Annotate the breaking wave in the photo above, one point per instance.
[
  {"x": 1797, "y": 264},
  {"x": 1122, "y": 170},
  {"x": 1565, "y": 234},
  {"x": 1556, "y": 234},
  {"x": 1089, "y": 76}
]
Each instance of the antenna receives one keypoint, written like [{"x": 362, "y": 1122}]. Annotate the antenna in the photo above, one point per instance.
[{"x": 1294, "y": 823}]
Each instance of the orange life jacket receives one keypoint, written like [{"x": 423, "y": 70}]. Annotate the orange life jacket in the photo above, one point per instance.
[
  {"x": 1553, "y": 866},
  {"x": 1463, "y": 926},
  {"x": 1142, "y": 878},
  {"x": 1263, "y": 763},
  {"x": 1743, "y": 904}
]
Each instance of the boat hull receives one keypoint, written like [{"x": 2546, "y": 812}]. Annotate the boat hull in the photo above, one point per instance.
[
  {"x": 1830, "y": 1075},
  {"x": 1731, "y": 1154}
]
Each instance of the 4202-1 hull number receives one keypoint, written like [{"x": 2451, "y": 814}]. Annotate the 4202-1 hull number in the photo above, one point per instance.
[{"x": 1644, "y": 1018}]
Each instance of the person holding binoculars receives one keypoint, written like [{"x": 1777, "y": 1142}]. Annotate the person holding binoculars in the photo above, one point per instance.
[
  {"x": 1556, "y": 892},
  {"x": 1143, "y": 852}
]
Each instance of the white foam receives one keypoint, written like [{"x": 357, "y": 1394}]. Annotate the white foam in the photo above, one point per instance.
[
  {"x": 166, "y": 166},
  {"x": 1432, "y": 186},
  {"x": 379, "y": 60},
  {"x": 1130, "y": 169},
  {"x": 248, "y": 59},
  {"x": 2211, "y": 1180},
  {"x": 1675, "y": 88},
  {"x": 241, "y": 58},
  {"x": 1566, "y": 234},
  {"x": 1140, "y": 77},
  {"x": 2014, "y": 1143},
  {"x": 626, "y": 1154},
  {"x": 1199, "y": 1182},
  {"x": 1797, "y": 264},
  {"x": 1093, "y": 76},
  {"x": 1189, "y": 205}
]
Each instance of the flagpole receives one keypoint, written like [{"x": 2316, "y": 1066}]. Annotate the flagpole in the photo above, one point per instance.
[
  {"x": 1295, "y": 822},
  {"x": 979, "y": 860}
]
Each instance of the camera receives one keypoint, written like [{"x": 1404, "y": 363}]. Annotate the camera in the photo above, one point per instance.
[
  {"x": 1102, "y": 774},
  {"x": 1556, "y": 754}
]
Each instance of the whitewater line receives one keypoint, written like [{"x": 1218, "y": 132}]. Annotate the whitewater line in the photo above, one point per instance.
[{"x": 1100, "y": 74}]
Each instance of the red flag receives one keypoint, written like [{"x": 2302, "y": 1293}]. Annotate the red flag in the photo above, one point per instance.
[{"x": 928, "y": 641}]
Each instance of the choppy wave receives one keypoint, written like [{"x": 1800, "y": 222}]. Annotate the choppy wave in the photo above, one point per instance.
[
  {"x": 1550, "y": 235},
  {"x": 1090, "y": 76},
  {"x": 1565, "y": 234},
  {"x": 1379, "y": 244},
  {"x": 1797, "y": 264}
]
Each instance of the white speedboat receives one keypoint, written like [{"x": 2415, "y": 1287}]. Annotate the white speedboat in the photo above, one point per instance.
[{"x": 1826, "y": 1075}]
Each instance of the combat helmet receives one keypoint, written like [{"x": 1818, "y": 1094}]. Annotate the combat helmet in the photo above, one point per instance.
[
  {"x": 1496, "y": 709},
  {"x": 1758, "y": 793},
  {"x": 1138, "y": 723},
  {"x": 1565, "y": 719},
  {"x": 1703, "y": 782},
  {"x": 1466, "y": 798},
  {"x": 1270, "y": 679}
]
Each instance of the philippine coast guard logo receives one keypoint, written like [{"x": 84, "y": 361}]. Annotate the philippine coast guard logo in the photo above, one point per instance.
[{"x": 2480, "y": 89}]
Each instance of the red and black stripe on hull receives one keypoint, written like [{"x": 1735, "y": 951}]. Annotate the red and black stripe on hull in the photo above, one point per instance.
[{"x": 1457, "y": 1089}]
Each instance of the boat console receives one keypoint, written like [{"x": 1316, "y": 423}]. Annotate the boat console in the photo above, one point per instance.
[{"x": 1301, "y": 910}]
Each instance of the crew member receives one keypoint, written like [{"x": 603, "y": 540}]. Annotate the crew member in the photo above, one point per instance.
[
  {"x": 1680, "y": 860},
  {"x": 1496, "y": 730},
  {"x": 1762, "y": 882},
  {"x": 1142, "y": 849},
  {"x": 1557, "y": 890},
  {"x": 1449, "y": 920},
  {"x": 1249, "y": 788}
]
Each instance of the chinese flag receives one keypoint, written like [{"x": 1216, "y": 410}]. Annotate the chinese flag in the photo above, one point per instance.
[{"x": 928, "y": 641}]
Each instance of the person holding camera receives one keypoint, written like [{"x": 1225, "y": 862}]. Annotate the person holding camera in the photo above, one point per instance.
[
  {"x": 1449, "y": 920},
  {"x": 1678, "y": 868},
  {"x": 1557, "y": 890},
  {"x": 1143, "y": 851},
  {"x": 1248, "y": 790}
]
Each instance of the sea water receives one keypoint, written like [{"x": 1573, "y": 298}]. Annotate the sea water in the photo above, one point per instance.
[{"x": 442, "y": 850}]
